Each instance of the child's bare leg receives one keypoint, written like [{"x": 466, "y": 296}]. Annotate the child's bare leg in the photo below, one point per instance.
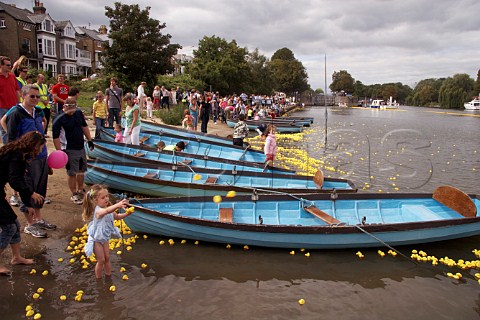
[
  {"x": 107, "y": 265},
  {"x": 99, "y": 254}
]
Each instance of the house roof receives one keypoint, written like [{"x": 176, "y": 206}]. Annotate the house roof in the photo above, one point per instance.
[
  {"x": 95, "y": 35},
  {"x": 16, "y": 13},
  {"x": 61, "y": 24}
]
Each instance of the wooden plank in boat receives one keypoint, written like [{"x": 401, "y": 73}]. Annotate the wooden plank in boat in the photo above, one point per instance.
[
  {"x": 456, "y": 200},
  {"x": 322, "y": 215},
  {"x": 143, "y": 139},
  {"x": 186, "y": 161},
  {"x": 226, "y": 215},
  {"x": 151, "y": 175},
  {"x": 138, "y": 154},
  {"x": 211, "y": 180}
]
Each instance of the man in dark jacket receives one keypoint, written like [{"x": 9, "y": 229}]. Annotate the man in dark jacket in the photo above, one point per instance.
[{"x": 23, "y": 118}]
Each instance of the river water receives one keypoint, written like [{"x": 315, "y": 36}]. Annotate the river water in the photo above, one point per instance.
[{"x": 407, "y": 150}]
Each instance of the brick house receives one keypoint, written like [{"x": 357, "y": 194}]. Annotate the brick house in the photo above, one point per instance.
[
  {"x": 56, "y": 46},
  {"x": 17, "y": 33}
]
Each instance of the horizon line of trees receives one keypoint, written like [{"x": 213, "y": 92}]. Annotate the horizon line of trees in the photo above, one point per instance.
[{"x": 448, "y": 93}]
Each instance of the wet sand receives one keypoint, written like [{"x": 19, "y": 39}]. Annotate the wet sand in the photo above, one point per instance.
[{"x": 62, "y": 211}]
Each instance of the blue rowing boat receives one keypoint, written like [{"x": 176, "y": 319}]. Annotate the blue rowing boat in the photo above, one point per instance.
[
  {"x": 161, "y": 181},
  {"x": 166, "y": 129},
  {"x": 281, "y": 128},
  {"x": 202, "y": 148},
  {"x": 113, "y": 151},
  {"x": 313, "y": 221}
]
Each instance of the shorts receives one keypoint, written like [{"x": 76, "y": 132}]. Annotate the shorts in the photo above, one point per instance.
[
  {"x": 77, "y": 162},
  {"x": 9, "y": 234}
]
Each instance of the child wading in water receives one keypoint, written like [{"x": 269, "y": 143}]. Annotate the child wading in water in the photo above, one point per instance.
[
  {"x": 270, "y": 145},
  {"x": 96, "y": 204}
]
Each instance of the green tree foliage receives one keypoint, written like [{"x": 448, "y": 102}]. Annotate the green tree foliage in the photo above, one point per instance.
[
  {"x": 455, "y": 91},
  {"x": 260, "y": 80},
  {"x": 476, "y": 87},
  {"x": 288, "y": 74},
  {"x": 359, "y": 90},
  {"x": 318, "y": 90},
  {"x": 184, "y": 81},
  {"x": 139, "y": 51},
  {"x": 220, "y": 65},
  {"x": 425, "y": 93},
  {"x": 342, "y": 81}
]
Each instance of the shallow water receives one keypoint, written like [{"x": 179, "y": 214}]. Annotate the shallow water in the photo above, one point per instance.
[{"x": 416, "y": 149}]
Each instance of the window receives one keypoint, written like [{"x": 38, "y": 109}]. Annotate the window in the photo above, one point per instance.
[
  {"x": 50, "y": 47},
  {"x": 40, "y": 46},
  {"x": 2, "y": 23},
  {"x": 71, "y": 51},
  {"x": 26, "y": 45}
]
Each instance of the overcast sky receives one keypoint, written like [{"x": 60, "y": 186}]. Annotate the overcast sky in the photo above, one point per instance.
[{"x": 376, "y": 41}]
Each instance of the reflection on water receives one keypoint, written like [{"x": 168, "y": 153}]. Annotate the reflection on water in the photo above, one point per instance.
[{"x": 392, "y": 151}]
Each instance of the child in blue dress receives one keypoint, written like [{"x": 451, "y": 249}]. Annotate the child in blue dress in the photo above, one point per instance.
[{"x": 96, "y": 204}]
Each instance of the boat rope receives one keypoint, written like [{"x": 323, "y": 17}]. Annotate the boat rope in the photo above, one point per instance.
[{"x": 384, "y": 243}]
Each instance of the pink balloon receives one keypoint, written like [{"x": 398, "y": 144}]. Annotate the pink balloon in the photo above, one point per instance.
[{"x": 57, "y": 159}]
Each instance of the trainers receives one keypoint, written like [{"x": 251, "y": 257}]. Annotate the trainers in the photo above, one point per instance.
[
  {"x": 76, "y": 198},
  {"x": 14, "y": 201},
  {"x": 34, "y": 231},
  {"x": 44, "y": 224},
  {"x": 47, "y": 201}
]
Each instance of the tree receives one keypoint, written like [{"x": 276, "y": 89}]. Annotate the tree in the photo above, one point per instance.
[
  {"x": 260, "y": 81},
  {"x": 342, "y": 81},
  {"x": 220, "y": 65},
  {"x": 455, "y": 91},
  {"x": 139, "y": 51},
  {"x": 288, "y": 74},
  {"x": 318, "y": 90}
]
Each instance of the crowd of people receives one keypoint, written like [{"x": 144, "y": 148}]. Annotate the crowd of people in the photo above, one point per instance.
[{"x": 27, "y": 108}]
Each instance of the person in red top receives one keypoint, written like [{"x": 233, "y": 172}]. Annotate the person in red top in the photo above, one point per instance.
[
  {"x": 9, "y": 90},
  {"x": 60, "y": 93}
]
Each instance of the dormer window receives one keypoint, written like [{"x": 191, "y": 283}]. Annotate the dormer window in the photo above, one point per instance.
[{"x": 2, "y": 23}]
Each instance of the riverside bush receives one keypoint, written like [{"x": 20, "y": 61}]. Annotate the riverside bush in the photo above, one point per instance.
[{"x": 173, "y": 117}]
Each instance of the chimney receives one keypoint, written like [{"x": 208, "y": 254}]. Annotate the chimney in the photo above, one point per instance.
[
  {"x": 102, "y": 29},
  {"x": 39, "y": 8}
]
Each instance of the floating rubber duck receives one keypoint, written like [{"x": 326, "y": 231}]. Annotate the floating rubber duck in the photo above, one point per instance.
[
  {"x": 381, "y": 253},
  {"x": 301, "y": 302},
  {"x": 245, "y": 247},
  {"x": 217, "y": 199},
  {"x": 307, "y": 254},
  {"x": 60, "y": 259},
  {"x": 29, "y": 313},
  {"x": 171, "y": 242},
  {"x": 112, "y": 288},
  {"x": 197, "y": 242},
  {"x": 197, "y": 177},
  {"x": 33, "y": 271},
  {"x": 143, "y": 265},
  {"x": 292, "y": 252},
  {"x": 125, "y": 277},
  {"x": 183, "y": 241},
  {"x": 231, "y": 194},
  {"x": 360, "y": 255},
  {"x": 35, "y": 296},
  {"x": 145, "y": 236},
  {"x": 45, "y": 272},
  {"x": 161, "y": 242},
  {"x": 37, "y": 316},
  {"x": 228, "y": 246},
  {"x": 40, "y": 290},
  {"x": 63, "y": 297}
]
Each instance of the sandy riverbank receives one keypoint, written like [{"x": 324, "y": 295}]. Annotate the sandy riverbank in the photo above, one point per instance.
[{"x": 63, "y": 212}]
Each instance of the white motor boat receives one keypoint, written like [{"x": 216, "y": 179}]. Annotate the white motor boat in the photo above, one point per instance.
[{"x": 473, "y": 105}]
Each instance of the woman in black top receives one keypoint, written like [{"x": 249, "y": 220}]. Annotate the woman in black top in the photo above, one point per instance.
[{"x": 13, "y": 159}]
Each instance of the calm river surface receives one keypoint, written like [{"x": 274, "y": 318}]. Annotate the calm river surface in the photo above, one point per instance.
[{"x": 409, "y": 150}]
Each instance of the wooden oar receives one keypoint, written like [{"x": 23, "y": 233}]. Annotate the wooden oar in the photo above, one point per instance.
[
  {"x": 319, "y": 178},
  {"x": 456, "y": 200}
]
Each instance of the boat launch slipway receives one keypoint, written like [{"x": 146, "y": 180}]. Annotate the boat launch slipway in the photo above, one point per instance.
[
  {"x": 114, "y": 151},
  {"x": 314, "y": 221},
  {"x": 205, "y": 149},
  {"x": 159, "y": 181}
]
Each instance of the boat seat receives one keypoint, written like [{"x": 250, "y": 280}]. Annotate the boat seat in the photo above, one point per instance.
[
  {"x": 138, "y": 154},
  {"x": 318, "y": 179},
  {"x": 226, "y": 215},
  {"x": 322, "y": 215},
  {"x": 151, "y": 175},
  {"x": 456, "y": 200},
  {"x": 143, "y": 139},
  {"x": 211, "y": 180}
]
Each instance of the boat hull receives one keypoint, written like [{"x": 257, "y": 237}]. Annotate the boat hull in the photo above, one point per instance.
[
  {"x": 291, "y": 234},
  {"x": 163, "y": 181}
]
